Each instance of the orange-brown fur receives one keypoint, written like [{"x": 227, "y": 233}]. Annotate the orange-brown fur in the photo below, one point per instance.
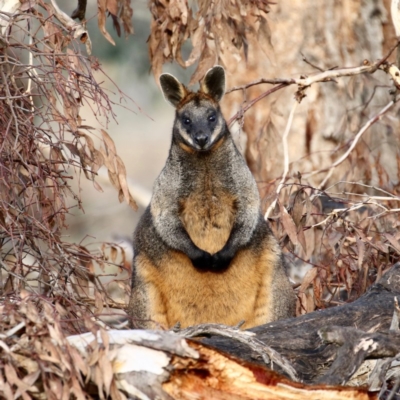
[
  {"x": 227, "y": 297},
  {"x": 189, "y": 96},
  {"x": 208, "y": 219}
]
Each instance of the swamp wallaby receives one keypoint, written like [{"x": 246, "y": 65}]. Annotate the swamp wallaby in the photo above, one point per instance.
[{"x": 203, "y": 251}]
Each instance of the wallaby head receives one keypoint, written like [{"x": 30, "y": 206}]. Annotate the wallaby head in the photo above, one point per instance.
[{"x": 199, "y": 123}]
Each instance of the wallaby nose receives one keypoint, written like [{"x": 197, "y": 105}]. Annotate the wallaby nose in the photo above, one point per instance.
[{"x": 201, "y": 139}]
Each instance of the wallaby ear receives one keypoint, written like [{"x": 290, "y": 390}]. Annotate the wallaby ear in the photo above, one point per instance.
[
  {"x": 172, "y": 89},
  {"x": 213, "y": 83}
]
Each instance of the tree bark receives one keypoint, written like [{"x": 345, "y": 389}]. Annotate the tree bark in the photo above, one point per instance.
[
  {"x": 301, "y": 340},
  {"x": 328, "y": 34}
]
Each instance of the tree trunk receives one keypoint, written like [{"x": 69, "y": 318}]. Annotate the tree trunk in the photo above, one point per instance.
[{"x": 328, "y": 34}]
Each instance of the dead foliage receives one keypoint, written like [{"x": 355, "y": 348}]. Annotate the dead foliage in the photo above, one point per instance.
[
  {"x": 120, "y": 12},
  {"x": 345, "y": 241},
  {"x": 213, "y": 27},
  {"x": 45, "y": 80},
  {"x": 38, "y": 361}
]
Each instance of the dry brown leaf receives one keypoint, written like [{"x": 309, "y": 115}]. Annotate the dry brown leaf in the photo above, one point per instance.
[
  {"x": 7, "y": 391},
  {"x": 393, "y": 241},
  {"x": 308, "y": 207},
  {"x": 361, "y": 253},
  {"x": 198, "y": 43},
  {"x": 288, "y": 224},
  {"x": 111, "y": 150},
  {"x": 107, "y": 373},
  {"x": 31, "y": 313},
  {"x": 93, "y": 357},
  {"x": 114, "y": 180},
  {"x": 56, "y": 387},
  {"x": 308, "y": 278},
  {"x": 112, "y": 6},
  {"x": 76, "y": 388},
  {"x": 310, "y": 239},
  {"x": 53, "y": 36},
  {"x": 126, "y": 17},
  {"x": 115, "y": 393},
  {"x": 72, "y": 148},
  {"x": 12, "y": 378},
  {"x": 264, "y": 39},
  {"x": 349, "y": 279},
  {"x": 26, "y": 363},
  {"x": 98, "y": 160},
  {"x": 102, "y": 9},
  {"x": 56, "y": 334},
  {"x": 121, "y": 170},
  {"x": 98, "y": 376},
  {"x": 302, "y": 239},
  {"x": 113, "y": 254},
  {"x": 97, "y": 186},
  {"x": 88, "y": 140},
  {"x": 121, "y": 196},
  {"x": 29, "y": 380},
  {"x": 208, "y": 60},
  {"x": 297, "y": 212},
  {"x": 78, "y": 362},
  {"x": 108, "y": 161},
  {"x": 98, "y": 302},
  {"x": 305, "y": 303}
]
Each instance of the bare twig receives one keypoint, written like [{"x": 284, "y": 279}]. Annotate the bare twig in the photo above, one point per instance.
[
  {"x": 325, "y": 76},
  {"x": 80, "y": 10},
  {"x": 303, "y": 82},
  {"x": 354, "y": 142},
  {"x": 286, "y": 160},
  {"x": 239, "y": 114}
]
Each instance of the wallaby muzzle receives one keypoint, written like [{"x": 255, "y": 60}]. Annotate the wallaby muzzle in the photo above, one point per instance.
[{"x": 201, "y": 139}]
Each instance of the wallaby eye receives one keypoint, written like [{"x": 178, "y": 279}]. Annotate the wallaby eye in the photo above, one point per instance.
[
  {"x": 211, "y": 118},
  {"x": 186, "y": 120}
]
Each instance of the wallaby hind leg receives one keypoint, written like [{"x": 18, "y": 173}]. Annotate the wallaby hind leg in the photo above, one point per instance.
[{"x": 147, "y": 306}]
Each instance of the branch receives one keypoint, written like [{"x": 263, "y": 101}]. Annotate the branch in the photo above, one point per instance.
[
  {"x": 78, "y": 31},
  {"x": 251, "y": 103},
  {"x": 325, "y": 76},
  {"x": 303, "y": 82},
  {"x": 368, "y": 124},
  {"x": 356, "y": 346},
  {"x": 80, "y": 11}
]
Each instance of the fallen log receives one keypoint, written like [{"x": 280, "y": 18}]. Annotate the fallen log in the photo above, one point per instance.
[
  {"x": 156, "y": 364},
  {"x": 308, "y": 342}
]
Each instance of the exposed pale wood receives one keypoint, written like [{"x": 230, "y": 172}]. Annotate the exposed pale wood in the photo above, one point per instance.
[
  {"x": 216, "y": 376},
  {"x": 248, "y": 338}
]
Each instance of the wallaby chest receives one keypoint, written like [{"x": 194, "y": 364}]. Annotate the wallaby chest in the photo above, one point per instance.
[{"x": 208, "y": 212}]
